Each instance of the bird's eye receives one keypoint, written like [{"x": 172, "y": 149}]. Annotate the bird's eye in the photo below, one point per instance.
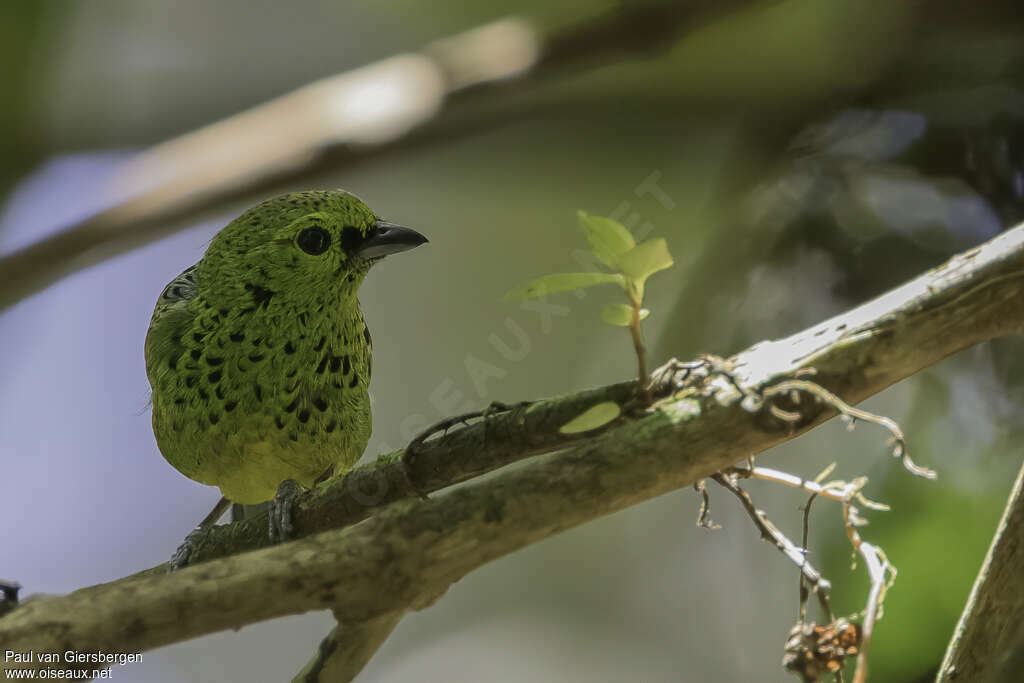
[{"x": 314, "y": 240}]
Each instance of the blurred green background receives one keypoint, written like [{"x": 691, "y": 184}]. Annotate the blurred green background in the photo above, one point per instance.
[{"x": 806, "y": 155}]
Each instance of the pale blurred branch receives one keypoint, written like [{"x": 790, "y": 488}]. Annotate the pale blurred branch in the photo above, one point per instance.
[
  {"x": 447, "y": 89},
  {"x": 403, "y": 556},
  {"x": 989, "y": 637},
  {"x": 347, "y": 648}
]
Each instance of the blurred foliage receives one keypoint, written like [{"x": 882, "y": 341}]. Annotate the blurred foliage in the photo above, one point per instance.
[{"x": 22, "y": 141}]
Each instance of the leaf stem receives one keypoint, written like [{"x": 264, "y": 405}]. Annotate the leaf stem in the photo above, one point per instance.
[{"x": 638, "y": 344}]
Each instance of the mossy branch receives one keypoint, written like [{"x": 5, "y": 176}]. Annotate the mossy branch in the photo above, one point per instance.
[{"x": 405, "y": 554}]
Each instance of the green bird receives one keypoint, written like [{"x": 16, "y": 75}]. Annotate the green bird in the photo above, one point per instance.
[{"x": 258, "y": 355}]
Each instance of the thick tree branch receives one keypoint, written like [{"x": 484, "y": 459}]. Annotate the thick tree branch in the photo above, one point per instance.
[
  {"x": 452, "y": 458},
  {"x": 989, "y": 634},
  {"x": 406, "y": 554},
  {"x": 868, "y": 339}
]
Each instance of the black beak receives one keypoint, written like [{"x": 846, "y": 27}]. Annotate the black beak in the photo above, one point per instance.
[{"x": 388, "y": 238}]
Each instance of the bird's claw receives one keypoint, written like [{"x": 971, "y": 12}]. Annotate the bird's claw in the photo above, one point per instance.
[
  {"x": 413, "y": 449},
  {"x": 407, "y": 469},
  {"x": 281, "y": 527},
  {"x": 181, "y": 556},
  {"x": 8, "y": 596}
]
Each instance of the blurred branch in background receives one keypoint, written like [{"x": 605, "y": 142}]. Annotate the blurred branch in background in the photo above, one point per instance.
[
  {"x": 405, "y": 555},
  {"x": 338, "y": 120},
  {"x": 500, "y": 73},
  {"x": 345, "y": 651}
]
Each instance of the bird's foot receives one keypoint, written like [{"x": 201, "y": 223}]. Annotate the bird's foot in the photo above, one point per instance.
[
  {"x": 183, "y": 554},
  {"x": 8, "y": 596},
  {"x": 412, "y": 451},
  {"x": 281, "y": 527},
  {"x": 416, "y": 445}
]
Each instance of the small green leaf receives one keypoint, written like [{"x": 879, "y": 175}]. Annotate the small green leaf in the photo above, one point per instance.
[
  {"x": 645, "y": 259},
  {"x": 595, "y": 417},
  {"x": 617, "y": 314},
  {"x": 608, "y": 239},
  {"x": 561, "y": 282},
  {"x": 621, "y": 314}
]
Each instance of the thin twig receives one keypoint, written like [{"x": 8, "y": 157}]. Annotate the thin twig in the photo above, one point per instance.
[
  {"x": 804, "y": 593},
  {"x": 637, "y": 334},
  {"x": 878, "y": 568},
  {"x": 832, "y": 490},
  {"x": 704, "y": 514},
  {"x": 898, "y": 441},
  {"x": 838, "y": 675},
  {"x": 771, "y": 533},
  {"x": 879, "y": 571}
]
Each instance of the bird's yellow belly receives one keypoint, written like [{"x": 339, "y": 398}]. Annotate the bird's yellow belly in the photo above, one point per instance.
[
  {"x": 248, "y": 459},
  {"x": 260, "y": 467}
]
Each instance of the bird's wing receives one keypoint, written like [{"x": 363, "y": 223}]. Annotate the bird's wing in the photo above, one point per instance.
[
  {"x": 181, "y": 288},
  {"x": 170, "y": 317}
]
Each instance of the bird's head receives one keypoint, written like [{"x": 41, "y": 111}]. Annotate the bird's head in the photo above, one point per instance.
[{"x": 315, "y": 245}]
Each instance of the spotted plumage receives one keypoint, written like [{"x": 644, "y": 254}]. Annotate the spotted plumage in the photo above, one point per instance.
[{"x": 258, "y": 355}]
